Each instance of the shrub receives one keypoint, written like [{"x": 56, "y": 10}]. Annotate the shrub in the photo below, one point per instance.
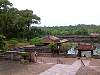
[
  {"x": 67, "y": 46},
  {"x": 36, "y": 41},
  {"x": 12, "y": 43},
  {"x": 2, "y": 42},
  {"x": 24, "y": 54},
  {"x": 53, "y": 47}
]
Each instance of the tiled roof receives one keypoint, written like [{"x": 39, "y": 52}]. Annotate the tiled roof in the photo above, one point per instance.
[
  {"x": 49, "y": 39},
  {"x": 85, "y": 47}
]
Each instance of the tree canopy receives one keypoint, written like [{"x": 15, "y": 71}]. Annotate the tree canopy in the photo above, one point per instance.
[{"x": 14, "y": 22}]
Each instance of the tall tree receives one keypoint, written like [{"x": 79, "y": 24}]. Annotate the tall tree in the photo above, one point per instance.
[
  {"x": 13, "y": 22},
  {"x": 29, "y": 18}
]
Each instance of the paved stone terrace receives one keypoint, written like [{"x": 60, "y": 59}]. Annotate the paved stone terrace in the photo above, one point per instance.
[
  {"x": 92, "y": 67},
  {"x": 63, "y": 69},
  {"x": 56, "y": 60},
  {"x": 15, "y": 68}
]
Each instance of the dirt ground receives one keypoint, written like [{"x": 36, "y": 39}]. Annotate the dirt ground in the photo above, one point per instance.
[{"x": 15, "y": 68}]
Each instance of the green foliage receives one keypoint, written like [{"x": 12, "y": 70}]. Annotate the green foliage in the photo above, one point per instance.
[
  {"x": 36, "y": 41},
  {"x": 24, "y": 54},
  {"x": 2, "y": 42},
  {"x": 12, "y": 43},
  {"x": 67, "y": 46},
  {"x": 81, "y": 29},
  {"x": 29, "y": 18},
  {"x": 36, "y": 32},
  {"x": 81, "y": 32},
  {"x": 14, "y": 22},
  {"x": 52, "y": 46}
]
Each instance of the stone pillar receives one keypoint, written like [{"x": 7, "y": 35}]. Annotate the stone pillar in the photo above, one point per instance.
[
  {"x": 92, "y": 53},
  {"x": 79, "y": 53}
]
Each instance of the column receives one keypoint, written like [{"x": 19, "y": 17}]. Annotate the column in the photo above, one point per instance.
[
  {"x": 79, "y": 53},
  {"x": 92, "y": 53}
]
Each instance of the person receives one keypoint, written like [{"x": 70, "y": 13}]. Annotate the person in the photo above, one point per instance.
[
  {"x": 35, "y": 56},
  {"x": 35, "y": 53}
]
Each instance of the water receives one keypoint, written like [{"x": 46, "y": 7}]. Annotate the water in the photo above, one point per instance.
[{"x": 72, "y": 51}]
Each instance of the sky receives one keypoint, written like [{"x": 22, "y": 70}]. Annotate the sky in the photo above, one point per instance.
[{"x": 62, "y": 12}]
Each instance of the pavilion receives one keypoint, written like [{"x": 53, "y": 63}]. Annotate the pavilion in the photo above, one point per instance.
[
  {"x": 52, "y": 39},
  {"x": 85, "y": 47}
]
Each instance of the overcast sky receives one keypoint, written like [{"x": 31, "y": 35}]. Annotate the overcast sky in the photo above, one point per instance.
[{"x": 62, "y": 12}]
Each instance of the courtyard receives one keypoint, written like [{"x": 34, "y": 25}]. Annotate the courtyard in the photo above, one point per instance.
[{"x": 70, "y": 66}]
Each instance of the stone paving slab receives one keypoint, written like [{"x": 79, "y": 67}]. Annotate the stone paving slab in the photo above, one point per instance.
[
  {"x": 96, "y": 68},
  {"x": 63, "y": 69},
  {"x": 86, "y": 62}
]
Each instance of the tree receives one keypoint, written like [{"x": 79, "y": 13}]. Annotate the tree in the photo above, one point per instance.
[
  {"x": 4, "y": 6},
  {"x": 2, "y": 42},
  {"x": 81, "y": 32},
  {"x": 29, "y": 18},
  {"x": 36, "y": 41},
  {"x": 13, "y": 22},
  {"x": 36, "y": 32},
  {"x": 8, "y": 18},
  {"x": 53, "y": 47}
]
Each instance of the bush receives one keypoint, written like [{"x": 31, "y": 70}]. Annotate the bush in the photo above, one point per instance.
[
  {"x": 67, "y": 46},
  {"x": 2, "y": 42},
  {"x": 53, "y": 47},
  {"x": 36, "y": 41},
  {"x": 12, "y": 43},
  {"x": 24, "y": 54}
]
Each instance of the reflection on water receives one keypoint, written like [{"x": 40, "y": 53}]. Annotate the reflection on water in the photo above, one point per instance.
[
  {"x": 72, "y": 51},
  {"x": 86, "y": 53}
]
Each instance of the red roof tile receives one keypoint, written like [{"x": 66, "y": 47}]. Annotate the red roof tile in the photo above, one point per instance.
[{"x": 84, "y": 47}]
